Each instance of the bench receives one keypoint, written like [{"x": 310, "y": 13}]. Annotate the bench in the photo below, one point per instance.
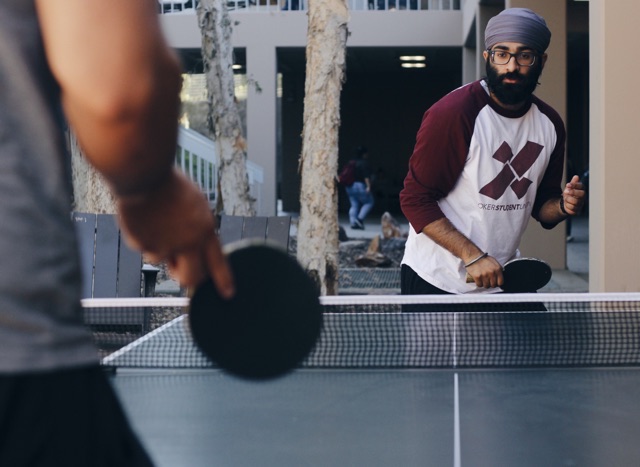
[
  {"x": 274, "y": 229},
  {"x": 110, "y": 269}
]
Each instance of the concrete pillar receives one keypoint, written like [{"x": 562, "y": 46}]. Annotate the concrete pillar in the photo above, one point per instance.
[
  {"x": 469, "y": 64},
  {"x": 469, "y": 39},
  {"x": 485, "y": 13},
  {"x": 262, "y": 119},
  {"x": 614, "y": 223},
  {"x": 549, "y": 245}
]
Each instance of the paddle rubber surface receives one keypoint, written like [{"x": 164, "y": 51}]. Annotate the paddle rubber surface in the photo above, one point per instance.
[
  {"x": 525, "y": 275},
  {"x": 270, "y": 325}
]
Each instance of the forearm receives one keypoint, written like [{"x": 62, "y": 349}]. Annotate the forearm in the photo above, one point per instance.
[
  {"x": 485, "y": 271},
  {"x": 120, "y": 87},
  {"x": 443, "y": 232},
  {"x": 551, "y": 213},
  {"x": 134, "y": 146}
]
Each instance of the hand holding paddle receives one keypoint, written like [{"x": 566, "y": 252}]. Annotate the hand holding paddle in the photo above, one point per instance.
[
  {"x": 271, "y": 323},
  {"x": 485, "y": 271},
  {"x": 173, "y": 223},
  {"x": 523, "y": 275}
]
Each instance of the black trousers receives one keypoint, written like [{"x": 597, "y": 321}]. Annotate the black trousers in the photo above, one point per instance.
[
  {"x": 65, "y": 418},
  {"x": 412, "y": 284}
]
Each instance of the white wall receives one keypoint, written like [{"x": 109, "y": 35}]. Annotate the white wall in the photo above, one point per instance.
[{"x": 614, "y": 217}]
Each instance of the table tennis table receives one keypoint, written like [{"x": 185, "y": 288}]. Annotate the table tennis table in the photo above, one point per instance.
[
  {"x": 583, "y": 411},
  {"x": 563, "y": 417}
]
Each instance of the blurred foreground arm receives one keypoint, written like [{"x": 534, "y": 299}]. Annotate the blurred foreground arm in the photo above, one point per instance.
[{"x": 120, "y": 87}]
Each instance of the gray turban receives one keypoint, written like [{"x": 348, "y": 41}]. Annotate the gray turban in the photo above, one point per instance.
[{"x": 518, "y": 25}]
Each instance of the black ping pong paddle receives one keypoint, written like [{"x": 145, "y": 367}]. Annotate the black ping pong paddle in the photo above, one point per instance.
[
  {"x": 270, "y": 325},
  {"x": 523, "y": 275}
]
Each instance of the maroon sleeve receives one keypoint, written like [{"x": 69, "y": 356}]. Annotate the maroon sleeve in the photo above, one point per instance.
[
  {"x": 438, "y": 158},
  {"x": 551, "y": 185}
]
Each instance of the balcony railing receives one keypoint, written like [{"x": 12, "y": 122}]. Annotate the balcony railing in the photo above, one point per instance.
[
  {"x": 196, "y": 157},
  {"x": 259, "y": 6}
]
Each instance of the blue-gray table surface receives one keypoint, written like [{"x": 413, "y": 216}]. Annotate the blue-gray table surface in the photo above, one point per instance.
[{"x": 387, "y": 417}]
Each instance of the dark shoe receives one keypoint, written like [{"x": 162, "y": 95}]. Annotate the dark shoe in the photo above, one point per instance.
[
  {"x": 357, "y": 226},
  {"x": 360, "y": 224}
]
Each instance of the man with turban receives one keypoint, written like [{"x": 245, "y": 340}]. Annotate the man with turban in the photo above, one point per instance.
[{"x": 487, "y": 156}]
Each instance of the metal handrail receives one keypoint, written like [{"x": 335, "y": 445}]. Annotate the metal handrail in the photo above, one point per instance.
[
  {"x": 196, "y": 157},
  {"x": 270, "y": 6}
]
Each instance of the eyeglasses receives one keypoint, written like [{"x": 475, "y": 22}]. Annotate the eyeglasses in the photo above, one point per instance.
[{"x": 502, "y": 57}]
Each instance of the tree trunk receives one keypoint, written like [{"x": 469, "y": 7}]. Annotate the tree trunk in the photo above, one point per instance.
[
  {"x": 90, "y": 191},
  {"x": 224, "y": 122},
  {"x": 318, "y": 226}
]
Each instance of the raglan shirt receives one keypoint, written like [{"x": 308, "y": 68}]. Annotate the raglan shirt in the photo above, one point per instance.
[
  {"x": 41, "y": 325},
  {"x": 484, "y": 168}
]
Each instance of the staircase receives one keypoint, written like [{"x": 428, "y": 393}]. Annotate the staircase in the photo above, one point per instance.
[{"x": 196, "y": 157}]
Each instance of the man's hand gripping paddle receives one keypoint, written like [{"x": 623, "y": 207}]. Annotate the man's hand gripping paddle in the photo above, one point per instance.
[
  {"x": 270, "y": 325},
  {"x": 523, "y": 275}
]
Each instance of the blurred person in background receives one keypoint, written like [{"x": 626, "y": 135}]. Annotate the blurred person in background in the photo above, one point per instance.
[{"x": 360, "y": 196}]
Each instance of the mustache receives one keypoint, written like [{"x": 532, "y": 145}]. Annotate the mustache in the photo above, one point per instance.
[{"x": 511, "y": 75}]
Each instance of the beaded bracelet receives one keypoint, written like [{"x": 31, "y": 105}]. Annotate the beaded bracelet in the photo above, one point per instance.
[{"x": 473, "y": 261}]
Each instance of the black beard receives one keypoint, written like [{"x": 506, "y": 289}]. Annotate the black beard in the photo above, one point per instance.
[{"x": 512, "y": 94}]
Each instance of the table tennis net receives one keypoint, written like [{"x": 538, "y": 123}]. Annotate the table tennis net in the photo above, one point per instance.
[{"x": 495, "y": 331}]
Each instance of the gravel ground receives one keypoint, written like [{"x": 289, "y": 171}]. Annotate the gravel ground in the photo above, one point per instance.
[{"x": 350, "y": 250}]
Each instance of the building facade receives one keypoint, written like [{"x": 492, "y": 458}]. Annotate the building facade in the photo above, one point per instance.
[{"x": 382, "y": 102}]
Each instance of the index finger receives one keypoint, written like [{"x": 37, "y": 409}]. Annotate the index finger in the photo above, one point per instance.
[{"x": 218, "y": 268}]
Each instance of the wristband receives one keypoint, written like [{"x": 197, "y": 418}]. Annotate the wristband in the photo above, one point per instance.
[
  {"x": 474, "y": 261},
  {"x": 562, "y": 206}
]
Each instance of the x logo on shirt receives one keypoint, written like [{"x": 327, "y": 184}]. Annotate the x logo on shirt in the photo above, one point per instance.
[{"x": 512, "y": 173}]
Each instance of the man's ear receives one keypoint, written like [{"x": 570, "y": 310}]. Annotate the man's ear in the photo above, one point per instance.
[
  {"x": 485, "y": 54},
  {"x": 543, "y": 60}
]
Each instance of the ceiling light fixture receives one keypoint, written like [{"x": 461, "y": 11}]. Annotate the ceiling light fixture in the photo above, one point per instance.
[
  {"x": 413, "y": 65},
  {"x": 413, "y": 58}
]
